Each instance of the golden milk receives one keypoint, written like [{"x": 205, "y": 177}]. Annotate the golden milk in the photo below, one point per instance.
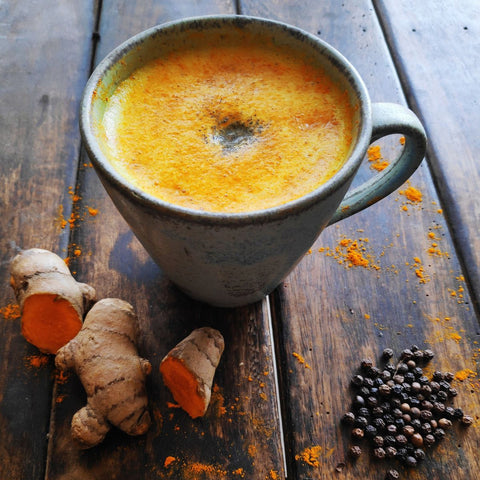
[{"x": 228, "y": 126}]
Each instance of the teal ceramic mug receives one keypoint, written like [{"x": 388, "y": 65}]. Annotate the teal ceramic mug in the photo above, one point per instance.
[{"x": 233, "y": 259}]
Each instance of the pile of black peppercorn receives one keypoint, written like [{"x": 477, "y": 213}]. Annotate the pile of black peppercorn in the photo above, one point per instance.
[{"x": 398, "y": 411}]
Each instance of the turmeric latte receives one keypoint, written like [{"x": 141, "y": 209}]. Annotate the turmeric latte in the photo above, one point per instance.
[{"x": 228, "y": 126}]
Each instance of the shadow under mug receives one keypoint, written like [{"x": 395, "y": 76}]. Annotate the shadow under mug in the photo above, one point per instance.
[{"x": 233, "y": 259}]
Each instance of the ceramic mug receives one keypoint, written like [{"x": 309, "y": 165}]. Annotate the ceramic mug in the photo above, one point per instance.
[{"x": 233, "y": 259}]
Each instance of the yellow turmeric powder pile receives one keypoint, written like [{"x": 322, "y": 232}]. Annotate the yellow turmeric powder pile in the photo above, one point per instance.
[
  {"x": 10, "y": 311},
  {"x": 352, "y": 253},
  {"x": 310, "y": 455},
  {"x": 462, "y": 375},
  {"x": 375, "y": 158},
  {"x": 412, "y": 194}
]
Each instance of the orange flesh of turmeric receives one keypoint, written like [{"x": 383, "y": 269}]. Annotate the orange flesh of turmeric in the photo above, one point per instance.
[
  {"x": 183, "y": 385},
  {"x": 49, "y": 322},
  {"x": 231, "y": 127}
]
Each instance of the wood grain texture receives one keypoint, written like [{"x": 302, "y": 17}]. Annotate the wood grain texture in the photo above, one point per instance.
[
  {"x": 436, "y": 46},
  {"x": 240, "y": 434},
  {"x": 334, "y": 315},
  {"x": 45, "y": 54}
]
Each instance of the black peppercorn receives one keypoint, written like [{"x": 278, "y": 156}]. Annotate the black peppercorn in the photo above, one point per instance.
[
  {"x": 415, "y": 387},
  {"x": 378, "y": 423},
  {"x": 387, "y": 353},
  {"x": 366, "y": 364},
  {"x": 358, "y": 433},
  {"x": 467, "y": 420},
  {"x": 361, "y": 422},
  {"x": 444, "y": 423},
  {"x": 458, "y": 413},
  {"x": 370, "y": 431},
  {"x": 368, "y": 382},
  {"x": 442, "y": 396},
  {"x": 391, "y": 452},
  {"x": 357, "y": 380},
  {"x": 348, "y": 418},
  {"x": 378, "y": 441},
  {"x": 401, "y": 440},
  {"x": 408, "y": 430},
  {"x": 415, "y": 412},
  {"x": 358, "y": 401},
  {"x": 379, "y": 453},
  {"x": 419, "y": 454},
  {"x": 418, "y": 355},
  {"x": 452, "y": 392},
  {"x": 428, "y": 440},
  {"x": 428, "y": 355},
  {"x": 409, "y": 377},
  {"x": 354, "y": 451},
  {"x": 407, "y": 354},
  {"x": 439, "y": 434},
  {"x": 391, "y": 429},
  {"x": 392, "y": 475},
  {"x": 389, "y": 440},
  {"x": 426, "y": 428},
  {"x": 448, "y": 376},
  {"x": 417, "y": 440},
  {"x": 363, "y": 412},
  {"x": 426, "y": 415},
  {"x": 410, "y": 461},
  {"x": 426, "y": 405},
  {"x": 423, "y": 380}
]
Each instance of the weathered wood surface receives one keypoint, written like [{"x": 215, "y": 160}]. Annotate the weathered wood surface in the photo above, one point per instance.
[
  {"x": 335, "y": 315},
  {"x": 436, "y": 47},
  {"x": 45, "y": 55},
  {"x": 331, "y": 314}
]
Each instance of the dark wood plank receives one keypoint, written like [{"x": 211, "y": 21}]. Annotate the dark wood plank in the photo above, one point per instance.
[
  {"x": 334, "y": 315},
  {"x": 437, "y": 49},
  {"x": 240, "y": 435},
  {"x": 44, "y": 63}
]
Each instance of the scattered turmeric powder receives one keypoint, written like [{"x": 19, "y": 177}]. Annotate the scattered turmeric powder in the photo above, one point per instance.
[
  {"x": 352, "y": 253},
  {"x": 169, "y": 460},
  {"x": 301, "y": 360},
  {"x": 310, "y": 455},
  {"x": 412, "y": 194},
  {"x": 10, "y": 311},
  {"x": 92, "y": 211},
  {"x": 37, "y": 361},
  {"x": 376, "y": 159},
  {"x": 462, "y": 375}
]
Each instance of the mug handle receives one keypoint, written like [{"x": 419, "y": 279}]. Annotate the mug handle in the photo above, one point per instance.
[{"x": 387, "y": 119}]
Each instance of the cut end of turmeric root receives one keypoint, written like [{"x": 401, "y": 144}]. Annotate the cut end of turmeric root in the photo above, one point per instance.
[
  {"x": 188, "y": 369},
  {"x": 49, "y": 322},
  {"x": 184, "y": 387},
  {"x": 51, "y": 301}
]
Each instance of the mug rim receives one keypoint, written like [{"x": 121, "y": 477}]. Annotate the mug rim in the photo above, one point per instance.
[{"x": 343, "y": 175}]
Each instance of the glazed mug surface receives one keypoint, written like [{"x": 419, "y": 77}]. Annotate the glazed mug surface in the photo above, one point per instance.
[{"x": 233, "y": 259}]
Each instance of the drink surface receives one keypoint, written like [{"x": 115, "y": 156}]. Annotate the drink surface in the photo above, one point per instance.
[{"x": 228, "y": 126}]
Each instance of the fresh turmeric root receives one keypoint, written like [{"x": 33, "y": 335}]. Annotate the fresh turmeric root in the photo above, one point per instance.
[
  {"x": 104, "y": 356},
  {"x": 188, "y": 369},
  {"x": 52, "y": 302}
]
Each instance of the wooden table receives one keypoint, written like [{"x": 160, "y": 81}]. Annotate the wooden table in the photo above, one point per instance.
[{"x": 268, "y": 407}]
